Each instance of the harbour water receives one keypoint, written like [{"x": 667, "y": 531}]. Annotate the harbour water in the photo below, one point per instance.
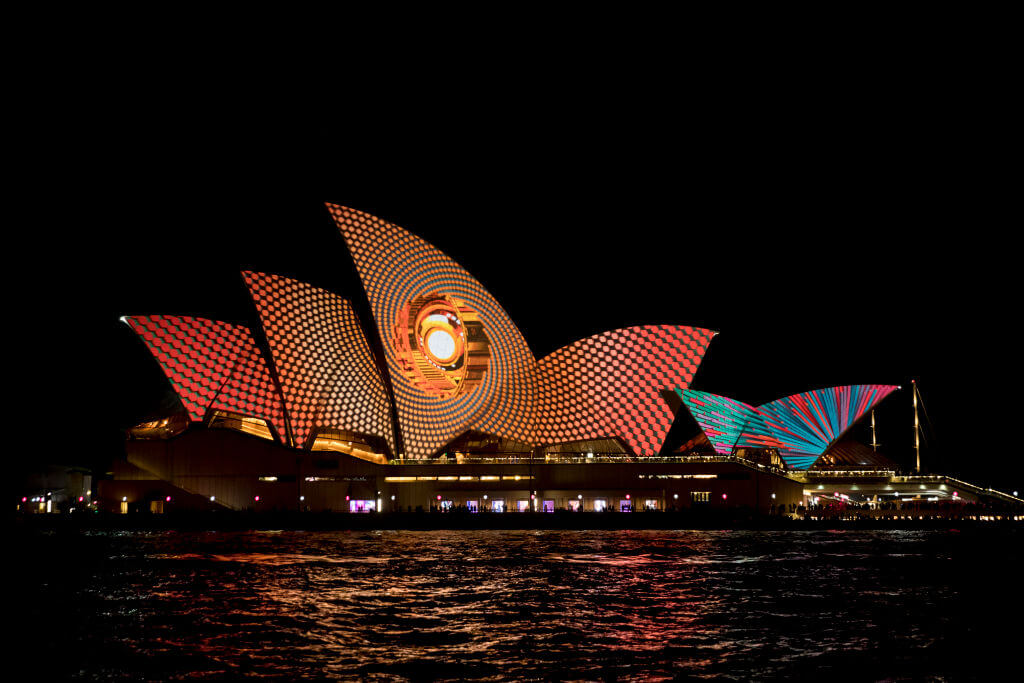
[{"x": 518, "y": 605}]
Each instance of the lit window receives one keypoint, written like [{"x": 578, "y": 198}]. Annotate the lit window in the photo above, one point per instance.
[
  {"x": 339, "y": 442},
  {"x": 361, "y": 505},
  {"x": 242, "y": 423}
]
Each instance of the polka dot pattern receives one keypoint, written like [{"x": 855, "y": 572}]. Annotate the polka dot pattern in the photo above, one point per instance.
[
  {"x": 604, "y": 386},
  {"x": 327, "y": 372},
  {"x": 396, "y": 266},
  {"x": 609, "y": 385},
  {"x": 212, "y": 364}
]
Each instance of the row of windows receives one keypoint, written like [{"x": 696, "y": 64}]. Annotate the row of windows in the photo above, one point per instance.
[
  {"x": 574, "y": 505},
  {"x": 515, "y": 477},
  {"x": 677, "y": 476}
]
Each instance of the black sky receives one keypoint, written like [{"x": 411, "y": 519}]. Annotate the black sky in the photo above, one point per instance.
[{"x": 833, "y": 230}]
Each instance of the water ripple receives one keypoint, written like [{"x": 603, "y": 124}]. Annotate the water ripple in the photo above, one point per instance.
[{"x": 525, "y": 605}]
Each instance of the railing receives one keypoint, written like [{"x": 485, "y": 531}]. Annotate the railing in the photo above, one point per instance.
[
  {"x": 906, "y": 479},
  {"x": 802, "y": 476},
  {"x": 582, "y": 459},
  {"x": 942, "y": 479}
]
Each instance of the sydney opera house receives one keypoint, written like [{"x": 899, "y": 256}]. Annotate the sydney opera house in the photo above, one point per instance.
[{"x": 442, "y": 405}]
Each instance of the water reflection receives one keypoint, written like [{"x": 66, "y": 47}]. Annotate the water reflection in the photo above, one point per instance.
[{"x": 518, "y": 605}]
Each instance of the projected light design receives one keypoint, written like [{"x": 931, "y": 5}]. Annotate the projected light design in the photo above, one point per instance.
[
  {"x": 815, "y": 419},
  {"x": 327, "y": 372},
  {"x": 492, "y": 391},
  {"x": 456, "y": 361},
  {"x": 801, "y": 426},
  {"x": 604, "y": 386},
  {"x": 609, "y": 385},
  {"x": 212, "y": 365},
  {"x": 724, "y": 420},
  {"x": 441, "y": 345}
]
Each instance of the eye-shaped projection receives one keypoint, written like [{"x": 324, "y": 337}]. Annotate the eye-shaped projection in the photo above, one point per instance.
[{"x": 441, "y": 345}]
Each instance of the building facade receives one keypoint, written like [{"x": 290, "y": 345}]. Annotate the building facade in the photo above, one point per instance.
[{"x": 457, "y": 413}]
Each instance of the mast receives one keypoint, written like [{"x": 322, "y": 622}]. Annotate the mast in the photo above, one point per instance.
[
  {"x": 917, "y": 429},
  {"x": 874, "y": 439}
]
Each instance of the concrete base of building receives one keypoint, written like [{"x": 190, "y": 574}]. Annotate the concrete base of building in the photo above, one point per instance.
[{"x": 204, "y": 469}]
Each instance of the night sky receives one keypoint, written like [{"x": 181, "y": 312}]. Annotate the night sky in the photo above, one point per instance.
[{"x": 849, "y": 236}]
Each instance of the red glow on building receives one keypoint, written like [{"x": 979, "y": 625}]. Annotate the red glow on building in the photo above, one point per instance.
[
  {"x": 212, "y": 365},
  {"x": 398, "y": 268},
  {"x": 609, "y": 385},
  {"x": 324, "y": 363}
]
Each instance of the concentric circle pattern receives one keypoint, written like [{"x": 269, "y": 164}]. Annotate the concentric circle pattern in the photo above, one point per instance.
[
  {"x": 212, "y": 364},
  {"x": 606, "y": 385},
  {"x": 324, "y": 363},
  {"x": 456, "y": 361},
  {"x": 396, "y": 267},
  {"x": 441, "y": 345}
]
